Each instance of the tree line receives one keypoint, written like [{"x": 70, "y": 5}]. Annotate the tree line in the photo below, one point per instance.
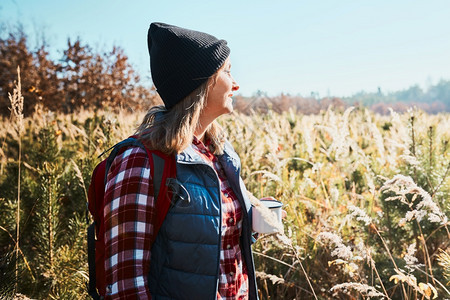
[
  {"x": 81, "y": 78},
  {"x": 84, "y": 78},
  {"x": 433, "y": 100}
]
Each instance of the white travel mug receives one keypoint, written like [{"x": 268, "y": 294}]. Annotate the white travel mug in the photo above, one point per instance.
[{"x": 266, "y": 217}]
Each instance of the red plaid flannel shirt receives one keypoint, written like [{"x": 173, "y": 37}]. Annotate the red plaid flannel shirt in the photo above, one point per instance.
[
  {"x": 233, "y": 276},
  {"x": 129, "y": 218}
]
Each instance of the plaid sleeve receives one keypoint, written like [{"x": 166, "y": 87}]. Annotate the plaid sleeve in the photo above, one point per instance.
[{"x": 129, "y": 216}]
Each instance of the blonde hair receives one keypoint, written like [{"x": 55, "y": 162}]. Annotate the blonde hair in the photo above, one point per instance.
[{"x": 172, "y": 131}]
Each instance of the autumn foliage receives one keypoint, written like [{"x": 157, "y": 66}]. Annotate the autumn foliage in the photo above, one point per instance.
[{"x": 81, "y": 78}]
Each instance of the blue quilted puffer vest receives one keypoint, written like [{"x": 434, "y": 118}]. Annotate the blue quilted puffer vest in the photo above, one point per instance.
[{"x": 185, "y": 255}]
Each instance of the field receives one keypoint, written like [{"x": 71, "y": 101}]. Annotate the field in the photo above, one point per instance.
[{"x": 367, "y": 200}]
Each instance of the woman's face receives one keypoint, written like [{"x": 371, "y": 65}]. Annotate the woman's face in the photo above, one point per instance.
[{"x": 218, "y": 101}]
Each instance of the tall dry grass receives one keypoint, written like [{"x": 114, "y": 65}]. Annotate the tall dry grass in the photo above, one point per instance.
[
  {"x": 367, "y": 199},
  {"x": 364, "y": 186},
  {"x": 16, "y": 100}
]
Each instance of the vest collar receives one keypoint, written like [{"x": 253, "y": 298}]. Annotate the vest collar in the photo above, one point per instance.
[
  {"x": 230, "y": 157},
  {"x": 190, "y": 156}
]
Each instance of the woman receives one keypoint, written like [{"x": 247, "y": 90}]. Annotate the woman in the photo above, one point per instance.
[{"x": 203, "y": 249}]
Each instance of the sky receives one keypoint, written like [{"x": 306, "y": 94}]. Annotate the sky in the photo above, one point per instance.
[{"x": 326, "y": 47}]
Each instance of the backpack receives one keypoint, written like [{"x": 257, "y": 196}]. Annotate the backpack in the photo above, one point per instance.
[{"x": 162, "y": 170}]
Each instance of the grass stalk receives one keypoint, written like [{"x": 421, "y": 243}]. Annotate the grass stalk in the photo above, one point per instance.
[
  {"x": 430, "y": 157},
  {"x": 390, "y": 256},
  {"x": 19, "y": 250},
  {"x": 16, "y": 100},
  {"x": 301, "y": 265},
  {"x": 413, "y": 146},
  {"x": 80, "y": 178},
  {"x": 437, "y": 281},
  {"x": 426, "y": 254},
  {"x": 275, "y": 259},
  {"x": 374, "y": 268},
  {"x": 18, "y": 213}
]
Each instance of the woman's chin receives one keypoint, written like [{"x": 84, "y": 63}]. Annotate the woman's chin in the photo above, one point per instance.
[{"x": 230, "y": 105}]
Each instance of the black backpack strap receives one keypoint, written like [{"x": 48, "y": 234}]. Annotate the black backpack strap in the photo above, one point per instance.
[
  {"x": 92, "y": 290},
  {"x": 158, "y": 173}
]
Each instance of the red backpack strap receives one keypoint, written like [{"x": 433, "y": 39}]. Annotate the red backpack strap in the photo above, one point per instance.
[{"x": 163, "y": 167}]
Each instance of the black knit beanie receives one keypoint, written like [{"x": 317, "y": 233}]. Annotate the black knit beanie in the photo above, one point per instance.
[{"x": 182, "y": 59}]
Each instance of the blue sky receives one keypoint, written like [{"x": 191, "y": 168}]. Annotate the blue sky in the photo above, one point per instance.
[{"x": 328, "y": 47}]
